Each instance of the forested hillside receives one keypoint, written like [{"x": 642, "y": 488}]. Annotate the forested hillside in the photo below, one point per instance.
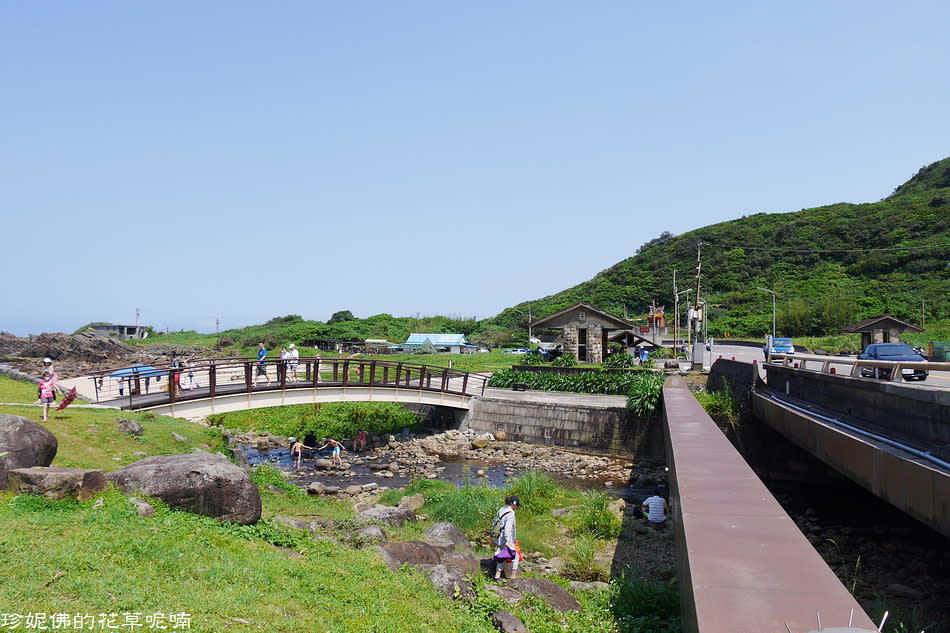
[{"x": 828, "y": 266}]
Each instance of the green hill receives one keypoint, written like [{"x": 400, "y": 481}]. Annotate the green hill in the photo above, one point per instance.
[{"x": 828, "y": 266}]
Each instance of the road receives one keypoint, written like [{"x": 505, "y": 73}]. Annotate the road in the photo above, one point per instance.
[{"x": 936, "y": 379}]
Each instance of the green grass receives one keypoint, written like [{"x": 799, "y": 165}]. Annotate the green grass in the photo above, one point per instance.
[
  {"x": 109, "y": 560},
  {"x": 16, "y": 390},
  {"x": 331, "y": 419}
]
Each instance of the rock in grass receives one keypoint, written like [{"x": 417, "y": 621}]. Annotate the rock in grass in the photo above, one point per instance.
[
  {"x": 550, "y": 592},
  {"x": 198, "y": 482},
  {"x": 508, "y": 622},
  {"x": 25, "y": 443}
]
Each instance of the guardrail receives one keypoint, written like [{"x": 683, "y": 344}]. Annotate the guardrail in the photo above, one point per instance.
[
  {"x": 824, "y": 364},
  {"x": 209, "y": 377}
]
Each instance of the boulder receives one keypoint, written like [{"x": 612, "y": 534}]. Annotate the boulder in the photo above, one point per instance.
[
  {"x": 199, "y": 482},
  {"x": 322, "y": 464},
  {"x": 465, "y": 562},
  {"x": 409, "y": 553},
  {"x": 316, "y": 488},
  {"x": 179, "y": 438},
  {"x": 353, "y": 490},
  {"x": 450, "y": 582},
  {"x": 131, "y": 427},
  {"x": 446, "y": 533},
  {"x": 369, "y": 534},
  {"x": 508, "y": 622},
  {"x": 387, "y": 515},
  {"x": 57, "y": 483},
  {"x": 508, "y": 595},
  {"x": 412, "y": 502},
  {"x": 501, "y": 436},
  {"x": 480, "y": 442},
  {"x": 550, "y": 592},
  {"x": 26, "y": 443}
]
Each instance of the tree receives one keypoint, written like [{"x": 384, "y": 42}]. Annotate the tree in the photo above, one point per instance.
[{"x": 342, "y": 315}]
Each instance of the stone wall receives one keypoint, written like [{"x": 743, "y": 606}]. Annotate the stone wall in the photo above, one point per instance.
[{"x": 581, "y": 427}]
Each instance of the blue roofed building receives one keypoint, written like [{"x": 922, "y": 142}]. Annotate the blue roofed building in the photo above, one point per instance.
[{"x": 446, "y": 343}]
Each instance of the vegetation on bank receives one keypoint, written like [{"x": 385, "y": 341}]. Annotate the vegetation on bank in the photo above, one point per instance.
[
  {"x": 332, "y": 419},
  {"x": 99, "y": 556}
]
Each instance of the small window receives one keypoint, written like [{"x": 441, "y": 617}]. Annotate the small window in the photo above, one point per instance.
[{"x": 581, "y": 316}]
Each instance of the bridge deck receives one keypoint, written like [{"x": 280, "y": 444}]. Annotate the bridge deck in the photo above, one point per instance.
[{"x": 744, "y": 565}]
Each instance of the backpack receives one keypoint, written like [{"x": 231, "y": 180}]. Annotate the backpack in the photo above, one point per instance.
[{"x": 494, "y": 530}]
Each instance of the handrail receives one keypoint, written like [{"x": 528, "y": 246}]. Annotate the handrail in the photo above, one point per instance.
[
  {"x": 210, "y": 376},
  {"x": 801, "y": 361}
]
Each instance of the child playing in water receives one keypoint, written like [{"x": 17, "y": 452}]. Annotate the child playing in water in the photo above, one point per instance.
[
  {"x": 296, "y": 450},
  {"x": 337, "y": 447}
]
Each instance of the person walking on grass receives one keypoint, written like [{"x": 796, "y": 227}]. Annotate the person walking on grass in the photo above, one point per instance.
[
  {"x": 506, "y": 541},
  {"x": 47, "y": 391}
]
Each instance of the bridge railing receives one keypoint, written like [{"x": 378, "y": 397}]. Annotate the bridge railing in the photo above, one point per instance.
[
  {"x": 887, "y": 370},
  {"x": 210, "y": 377}
]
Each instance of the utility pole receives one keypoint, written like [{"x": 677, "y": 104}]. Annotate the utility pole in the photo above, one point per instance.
[
  {"x": 217, "y": 325},
  {"x": 699, "y": 272},
  {"x": 676, "y": 316}
]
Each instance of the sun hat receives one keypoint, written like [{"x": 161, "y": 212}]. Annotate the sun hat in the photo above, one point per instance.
[
  {"x": 292, "y": 346},
  {"x": 47, "y": 360}
]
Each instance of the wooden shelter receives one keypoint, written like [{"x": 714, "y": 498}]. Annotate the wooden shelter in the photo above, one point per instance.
[{"x": 880, "y": 329}]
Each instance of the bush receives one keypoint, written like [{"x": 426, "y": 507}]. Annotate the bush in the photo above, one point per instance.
[
  {"x": 619, "y": 360},
  {"x": 564, "y": 360},
  {"x": 535, "y": 490},
  {"x": 595, "y": 516},
  {"x": 470, "y": 507},
  {"x": 644, "y": 395}
]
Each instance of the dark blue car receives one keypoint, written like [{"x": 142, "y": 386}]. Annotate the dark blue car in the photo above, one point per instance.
[{"x": 895, "y": 352}]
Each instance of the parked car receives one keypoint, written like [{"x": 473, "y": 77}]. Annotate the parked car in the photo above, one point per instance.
[
  {"x": 779, "y": 345},
  {"x": 517, "y": 350},
  {"x": 895, "y": 352}
]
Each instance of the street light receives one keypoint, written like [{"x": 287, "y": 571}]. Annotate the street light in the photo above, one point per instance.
[{"x": 773, "y": 307}]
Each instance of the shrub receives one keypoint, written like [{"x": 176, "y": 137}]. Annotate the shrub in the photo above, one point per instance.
[
  {"x": 619, "y": 360},
  {"x": 595, "y": 516},
  {"x": 643, "y": 398},
  {"x": 564, "y": 360},
  {"x": 470, "y": 507},
  {"x": 535, "y": 490}
]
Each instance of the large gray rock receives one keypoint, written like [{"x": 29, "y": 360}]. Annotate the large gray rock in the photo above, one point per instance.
[
  {"x": 410, "y": 553},
  {"x": 446, "y": 533},
  {"x": 199, "y": 482},
  {"x": 57, "y": 483},
  {"x": 26, "y": 443},
  {"x": 550, "y": 592}
]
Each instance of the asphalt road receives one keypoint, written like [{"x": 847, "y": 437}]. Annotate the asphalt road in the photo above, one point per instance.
[{"x": 936, "y": 379}]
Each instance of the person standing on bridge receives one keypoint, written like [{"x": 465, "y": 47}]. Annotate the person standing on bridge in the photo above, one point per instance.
[
  {"x": 294, "y": 360},
  {"x": 262, "y": 364}
]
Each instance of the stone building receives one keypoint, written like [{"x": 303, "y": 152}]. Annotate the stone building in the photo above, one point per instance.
[
  {"x": 880, "y": 329},
  {"x": 586, "y": 330}
]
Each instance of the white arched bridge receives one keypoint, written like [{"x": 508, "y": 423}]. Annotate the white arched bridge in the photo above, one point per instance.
[{"x": 232, "y": 384}]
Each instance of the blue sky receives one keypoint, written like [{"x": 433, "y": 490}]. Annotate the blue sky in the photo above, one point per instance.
[{"x": 245, "y": 160}]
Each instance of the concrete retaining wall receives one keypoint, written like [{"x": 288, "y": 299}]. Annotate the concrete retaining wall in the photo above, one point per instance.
[
  {"x": 914, "y": 412},
  {"x": 584, "y": 427}
]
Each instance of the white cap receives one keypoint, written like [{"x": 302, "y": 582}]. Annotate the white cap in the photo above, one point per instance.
[
  {"x": 47, "y": 360},
  {"x": 292, "y": 346}
]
